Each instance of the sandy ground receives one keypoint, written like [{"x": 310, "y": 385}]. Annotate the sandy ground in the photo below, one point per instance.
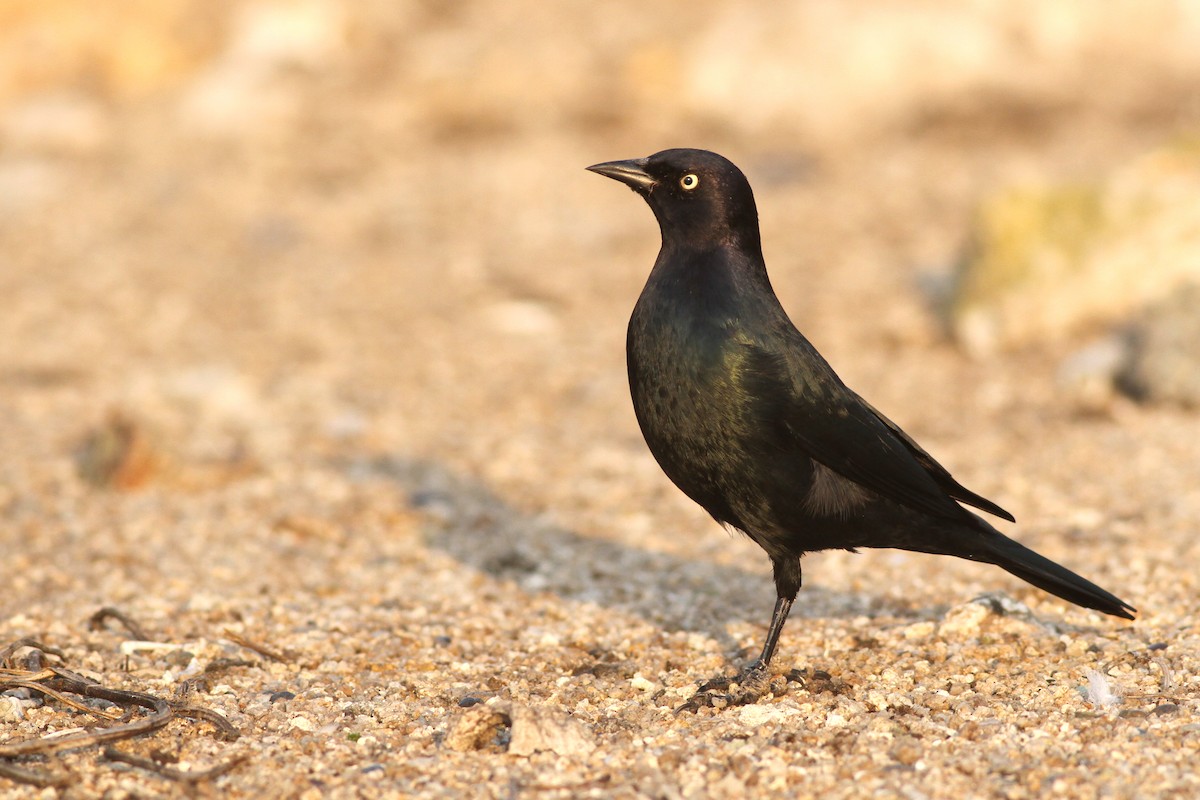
[{"x": 311, "y": 357}]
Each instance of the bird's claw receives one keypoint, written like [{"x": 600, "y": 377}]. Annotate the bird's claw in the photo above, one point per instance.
[{"x": 745, "y": 688}]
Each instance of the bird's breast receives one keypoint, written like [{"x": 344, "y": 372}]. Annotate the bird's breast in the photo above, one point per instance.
[{"x": 683, "y": 382}]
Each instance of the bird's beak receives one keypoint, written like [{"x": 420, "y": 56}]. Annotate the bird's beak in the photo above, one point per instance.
[{"x": 632, "y": 173}]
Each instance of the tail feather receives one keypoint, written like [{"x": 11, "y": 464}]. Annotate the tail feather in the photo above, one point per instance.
[
  {"x": 1054, "y": 578},
  {"x": 988, "y": 545},
  {"x": 1059, "y": 581}
]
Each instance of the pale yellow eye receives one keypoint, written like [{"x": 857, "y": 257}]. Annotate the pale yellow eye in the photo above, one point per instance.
[{"x": 689, "y": 182}]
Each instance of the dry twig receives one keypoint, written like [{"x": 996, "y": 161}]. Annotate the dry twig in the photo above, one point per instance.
[
  {"x": 262, "y": 650},
  {"x": 172, "y": 773},
  {"x": 58, "y": 683},
  {"x": 97, "y": 620}
]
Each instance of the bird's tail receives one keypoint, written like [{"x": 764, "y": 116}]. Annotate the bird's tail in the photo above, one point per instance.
[{"x": 993, "y": 547}]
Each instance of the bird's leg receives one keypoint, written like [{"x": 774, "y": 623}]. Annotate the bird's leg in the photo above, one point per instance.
[
  {"x": 783, "y": 606},
  {"x": 752, "y": 682}
]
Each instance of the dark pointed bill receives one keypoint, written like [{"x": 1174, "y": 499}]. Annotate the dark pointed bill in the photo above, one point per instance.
[{"x": 632, "y": 173}]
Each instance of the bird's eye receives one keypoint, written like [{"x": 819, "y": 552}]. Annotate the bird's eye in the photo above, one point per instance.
[{"x": 689, "y": 182}]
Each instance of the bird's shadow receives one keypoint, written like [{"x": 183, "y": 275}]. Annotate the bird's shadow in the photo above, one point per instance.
[{"x": 467, "y": 520}]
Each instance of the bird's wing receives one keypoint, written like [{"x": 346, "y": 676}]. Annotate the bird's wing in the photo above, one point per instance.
[
  {"x": 807, "y": 403},
  {"x": 940, "y": 474}
]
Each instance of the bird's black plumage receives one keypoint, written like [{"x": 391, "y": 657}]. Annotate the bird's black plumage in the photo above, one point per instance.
[{"x": 746, "y": 417}]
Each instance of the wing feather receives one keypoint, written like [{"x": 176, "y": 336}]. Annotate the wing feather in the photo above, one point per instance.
[{"x": 838, "y": 429}]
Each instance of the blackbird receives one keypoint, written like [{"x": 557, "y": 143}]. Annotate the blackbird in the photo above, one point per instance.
[{"x": 748, "y": 420}]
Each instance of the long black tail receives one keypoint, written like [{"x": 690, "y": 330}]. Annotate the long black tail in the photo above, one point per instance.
[
  {"x": 992, "y": 547},
  {"x": 1054, "y": 578}
]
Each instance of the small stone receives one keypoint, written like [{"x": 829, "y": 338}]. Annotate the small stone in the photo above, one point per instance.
[
  {"x": 919, "y": 630},
  {"x": 475, "y": 728},
  {"x": 535, "y": 729},
  {"x": 638, "y": 681},
  {"x": 759, "y": 714},
  {"x": 964, "y": 620},
  {"x": 907, "y": 751},
  {"x": 118, "y": 454},
  {"x": 1164, "y": 365},
  {"x": 12, "y": 709},
  {"x": 1088, "y": 376}
]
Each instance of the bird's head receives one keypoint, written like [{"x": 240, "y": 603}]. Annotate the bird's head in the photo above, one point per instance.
[{"x": 701, "y": 199}]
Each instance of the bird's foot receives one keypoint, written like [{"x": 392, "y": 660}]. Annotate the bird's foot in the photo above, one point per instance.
[
  {"x": 752, "y": 684},
  {"x": 744, "y": 688}
]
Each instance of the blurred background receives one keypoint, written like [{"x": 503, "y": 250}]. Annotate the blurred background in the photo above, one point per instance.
[
  {"x": 375, "y": 214},
  {"x": 309, "y": 308}
]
